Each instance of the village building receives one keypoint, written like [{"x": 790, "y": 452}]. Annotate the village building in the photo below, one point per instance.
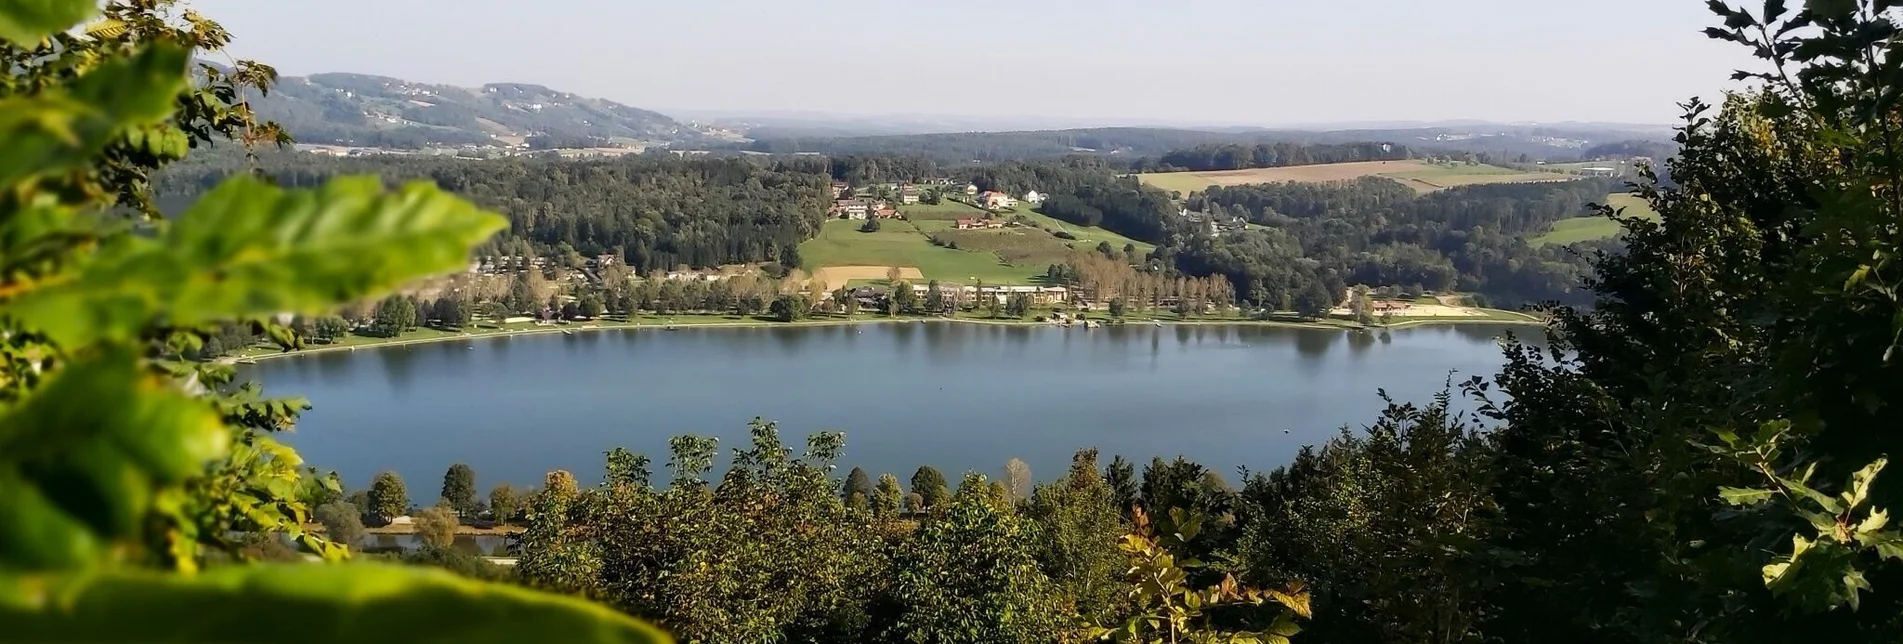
[
  {"x": 841, "y": 190},
  {"x": 1034, "y": 197},
  {"x": 885, "y": 212},
  {"x": 850, "y": 209},
  {"x": 908, "y": 194},
  {"x": 992, "y": 200},
  {"x": 971, "y": 188}
]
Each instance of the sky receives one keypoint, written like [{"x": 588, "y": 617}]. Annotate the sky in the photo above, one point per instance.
[{"x": 1232, "y": 62}]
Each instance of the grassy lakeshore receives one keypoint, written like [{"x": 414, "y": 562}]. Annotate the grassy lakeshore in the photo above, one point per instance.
[{"x": 702, "y": 320}]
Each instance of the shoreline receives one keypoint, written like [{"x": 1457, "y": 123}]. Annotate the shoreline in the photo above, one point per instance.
[{"x": 629, "y": 326}]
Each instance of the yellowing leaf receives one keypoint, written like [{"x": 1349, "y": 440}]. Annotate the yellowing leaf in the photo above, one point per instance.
[
  {"x": 81, "y": 461},
  {"x": 249, "y": 249},
  {"x": 329, "y": 604}
]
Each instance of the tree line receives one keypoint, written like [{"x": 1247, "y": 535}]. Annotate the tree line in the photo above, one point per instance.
[
  {"x": 1237, "y": 156},
  {"x": 654, "y": 213}
]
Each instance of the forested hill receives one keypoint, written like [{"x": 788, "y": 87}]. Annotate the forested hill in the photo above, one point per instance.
[
  {"x": 963, "y": 147},
  {"x": 1149, "y": 148},
  {"x": 657, "y": 212},
  {"x": 378, "y": 111}
]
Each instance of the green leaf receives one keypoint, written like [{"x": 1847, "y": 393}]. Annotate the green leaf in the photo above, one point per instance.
[
  {"x": 81, "y": 461},
  {"x": 52, "y": 131},
  {"x": 25, "y": 22},
  {"x": 1859, "y": 488},
  {"x": 329, "y": 604},
  {"x": 1742, "y": 496},
  {"x": 1828, "y": 503},
  {"x": 250, "y": 250}
]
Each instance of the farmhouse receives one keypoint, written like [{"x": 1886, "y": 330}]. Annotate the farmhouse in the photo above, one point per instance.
[
  {"x": 850, "y": 209},
  {"x": 1033, "y": 197},
  {"x": 993, "y": 200},
  {"x": 841, "y": 189},
  {"x": 967, "y": 223},
  {"x": 884, "y": 212},
  {"x": 908, "y": 194},
  {"x": 971, "y": 188}
]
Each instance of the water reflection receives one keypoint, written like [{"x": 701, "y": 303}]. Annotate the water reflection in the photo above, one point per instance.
[{"x": 977, "y": 395}]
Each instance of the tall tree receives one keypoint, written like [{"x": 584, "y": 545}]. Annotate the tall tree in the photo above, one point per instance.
[
  {"x": 459, "y": 489},
  {"x": 947, "y": 595},
  {"x": 931, "y": 487},
  {"x": 437, "y": 527},
  {"x": 388, "y": 498},
  {"x": 505, "y": 502},
  {"x": 1017, "y": 480},
  {"x": 888, "y": 498},
  {"x": 1121, "y": 476},
  {"x": 860, "y": 484}
]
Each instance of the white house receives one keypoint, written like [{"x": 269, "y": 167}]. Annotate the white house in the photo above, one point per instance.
[
  {"x": 1034, "y": 197},
  {"x": 994, "y": 200}
]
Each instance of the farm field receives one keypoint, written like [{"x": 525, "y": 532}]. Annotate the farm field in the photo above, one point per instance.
[
  {"x": 1421, "y": 175},
  {"x": 840, "y": 244},
  {"x": 1437, "y": 176},
  {"x": 1578, "y": 229}
]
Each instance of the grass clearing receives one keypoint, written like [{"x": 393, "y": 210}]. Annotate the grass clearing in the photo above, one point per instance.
[
  {"x": 946, "y": 210},
  {"x": 1578, "y": 229},
  {"x": 1420, "y": 175},
  {"x": 899, "y": 243}
]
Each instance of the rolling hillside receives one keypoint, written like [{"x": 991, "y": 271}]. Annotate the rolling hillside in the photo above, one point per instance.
[{"x": 377, "y": 111}]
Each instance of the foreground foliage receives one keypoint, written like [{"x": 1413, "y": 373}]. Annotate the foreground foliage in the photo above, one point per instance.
[{"x": 116, "y": 466}]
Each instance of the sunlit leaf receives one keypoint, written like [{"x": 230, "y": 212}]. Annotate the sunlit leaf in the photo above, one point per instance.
[
  {"x": 1742, "y": 496},
  {"x": 329, "y": 604},
  {"x": 81, "y": 461},
  {"x": 249, "y": 249}
]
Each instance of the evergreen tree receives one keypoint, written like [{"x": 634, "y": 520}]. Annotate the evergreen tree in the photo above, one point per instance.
[
  {"x": 858, "y": 483},
  {"x": 930, "y": 486},
  {"x": 459, "y": 489},
  {"x": 388, "y": 498}
]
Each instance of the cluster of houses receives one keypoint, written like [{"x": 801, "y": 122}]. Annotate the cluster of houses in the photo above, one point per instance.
[
  {"x": 847, "y": 205},
  {"x": 970, "y": 223},
  {"x": 510, "y": 264},
  {"x": 873, "y": 298},
  {"x": 1214, "y": 225}
]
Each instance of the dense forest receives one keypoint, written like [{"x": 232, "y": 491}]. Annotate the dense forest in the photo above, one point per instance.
[
  {"x": 1378, "y": 232},
  {"x": 655, "y": 212}
]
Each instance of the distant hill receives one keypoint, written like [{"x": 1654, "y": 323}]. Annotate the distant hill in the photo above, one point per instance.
[
  {"x": 378, "y": 111},
  {"x": 1503, "y": 142}
]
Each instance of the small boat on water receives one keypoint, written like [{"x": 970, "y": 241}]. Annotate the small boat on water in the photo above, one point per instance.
[{"x": 567, "y": 332}]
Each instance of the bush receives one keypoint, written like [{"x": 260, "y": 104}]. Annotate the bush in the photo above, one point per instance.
[{"x": 1064, "y": 235}]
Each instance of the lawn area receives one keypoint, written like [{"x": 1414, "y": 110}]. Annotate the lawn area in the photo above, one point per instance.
[
  {"x": 1087, "y": 236},
  {"x": 1578, "y": 229},
  {"x": 898, "y": 243},
  {"x": 946, "y": 210}
]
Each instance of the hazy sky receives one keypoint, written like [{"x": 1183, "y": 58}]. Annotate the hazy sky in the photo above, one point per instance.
[{"x": 1256, "y": 62}]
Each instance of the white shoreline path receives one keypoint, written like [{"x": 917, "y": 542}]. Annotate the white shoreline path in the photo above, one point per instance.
[{"x": 1527, "y": 320}]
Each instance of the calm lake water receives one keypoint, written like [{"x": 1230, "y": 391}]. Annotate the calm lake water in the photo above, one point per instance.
[{"x": 957, "y": 396}]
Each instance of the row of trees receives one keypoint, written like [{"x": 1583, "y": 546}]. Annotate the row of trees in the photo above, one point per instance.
[
  {"x": 778, "y": 549},
  {"x": 1235, "y": 156}
]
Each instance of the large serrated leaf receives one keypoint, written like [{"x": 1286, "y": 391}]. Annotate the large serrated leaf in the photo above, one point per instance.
[
  {"x": 1743, "y": 496},
  {"x": 81, "y": 460},
  {"x": 329, "y": 604},
  {"x": 52, "y": 131},
  {"x": 25, "y": 22},
  {"x": 249, "y": 249}
]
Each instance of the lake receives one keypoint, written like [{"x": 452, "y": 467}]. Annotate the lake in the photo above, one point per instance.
[{"x": 957, "y": 396}]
